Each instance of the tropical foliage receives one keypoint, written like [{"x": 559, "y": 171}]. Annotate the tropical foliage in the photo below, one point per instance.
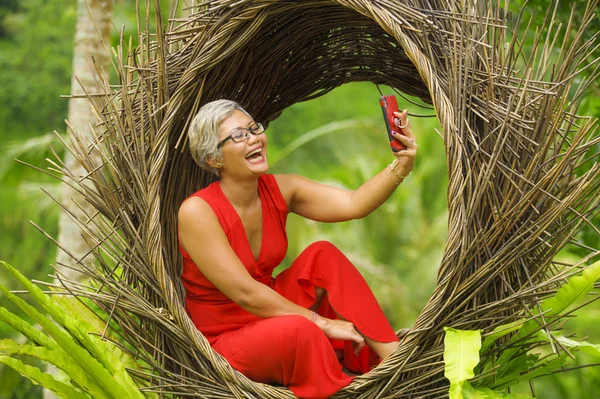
[
  {"x": 73, "y": 341},
  {"x": 533, "y": 348},
  {"x": 405, "y": 237}
]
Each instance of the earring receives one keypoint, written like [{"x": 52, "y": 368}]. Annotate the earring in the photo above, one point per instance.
[{"x": 219, "y": 165}]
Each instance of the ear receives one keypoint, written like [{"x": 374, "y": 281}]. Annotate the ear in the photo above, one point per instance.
[{"x": 210, "y": 160}]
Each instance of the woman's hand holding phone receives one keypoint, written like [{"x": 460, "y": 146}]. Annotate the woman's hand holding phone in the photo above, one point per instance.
[
  {"x": 402, "y": 139},
  {"x": 405, "y": 158}
]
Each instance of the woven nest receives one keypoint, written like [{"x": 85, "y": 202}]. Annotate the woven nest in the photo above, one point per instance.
[{"x": 515, "y": 149}]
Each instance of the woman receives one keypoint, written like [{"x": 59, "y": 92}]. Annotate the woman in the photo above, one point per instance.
[{"x": 299, "y": 328}]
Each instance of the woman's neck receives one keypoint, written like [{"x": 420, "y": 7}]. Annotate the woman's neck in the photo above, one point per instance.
[{"x": 240, "y": 193}]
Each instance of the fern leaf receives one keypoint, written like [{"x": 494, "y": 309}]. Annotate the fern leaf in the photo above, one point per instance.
[
  {"x": 80, "y": 355},
  {"x": 38, "y": 377},
  {"x": 60, "y": 359}
]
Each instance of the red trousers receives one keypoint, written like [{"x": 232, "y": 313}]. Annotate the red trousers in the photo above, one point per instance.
[{"x": 291, "y": 350}]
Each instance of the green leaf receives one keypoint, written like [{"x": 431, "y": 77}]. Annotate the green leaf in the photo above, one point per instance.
[
  {"x": 60, "y": 359},
  {"x": 30, "y": 147},
  {"x": 586, "y": 347},
  {"x": 456, "y": 390},
  {"x": 27, "y": 330},
  {"x": 549, "y": 365},
  {"x": 79, "y": 354},
  {"x": 101, "y": 364},
  {"x": 572, "y": 291},
  {"x": 512, "y": 370},
  {"x": 477, "y": 393},
  {"x": 469, "y": 392},
  {"x": 91, "y": 322},
  {"x": 561, "y": 302},
  {"x": 38, "y": 377},
  {"x": 461, "y": 355},
  {"x": 500, "y": 332}
]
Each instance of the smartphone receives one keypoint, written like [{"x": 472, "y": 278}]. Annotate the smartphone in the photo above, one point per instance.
[{"x": 389, "y": 105}]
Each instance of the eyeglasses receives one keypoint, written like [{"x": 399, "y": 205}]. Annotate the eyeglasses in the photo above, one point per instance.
[{"x": 242, "y": 133}]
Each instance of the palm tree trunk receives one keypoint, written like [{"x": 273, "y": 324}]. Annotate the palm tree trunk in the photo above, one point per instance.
[{"x": 91, "y": 36}]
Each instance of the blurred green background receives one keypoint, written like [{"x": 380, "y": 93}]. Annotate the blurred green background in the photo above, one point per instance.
[{"x": 398, "y": 247}]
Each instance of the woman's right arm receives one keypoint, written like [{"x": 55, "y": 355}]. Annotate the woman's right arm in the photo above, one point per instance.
[{"x": 202, "y": 236}]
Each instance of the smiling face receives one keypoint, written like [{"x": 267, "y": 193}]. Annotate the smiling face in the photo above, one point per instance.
[{"x": 248, "y": 157}]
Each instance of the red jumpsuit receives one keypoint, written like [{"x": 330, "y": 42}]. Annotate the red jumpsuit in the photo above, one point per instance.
[{"x": 286, "y": 350}]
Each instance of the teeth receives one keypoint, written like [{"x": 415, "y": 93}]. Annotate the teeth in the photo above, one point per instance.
[{"x": 258, "y": 150}]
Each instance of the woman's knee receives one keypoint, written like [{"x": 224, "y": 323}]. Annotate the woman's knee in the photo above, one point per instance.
[
  {"x": 330, "y": 254},
  {"x": 323, "y": 246},
  {"x": 322, "y": 243}
]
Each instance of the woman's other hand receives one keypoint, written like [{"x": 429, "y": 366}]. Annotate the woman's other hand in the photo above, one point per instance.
[
  {"x": 341, "y": 329},
  {"x": 405, "y": 159}
]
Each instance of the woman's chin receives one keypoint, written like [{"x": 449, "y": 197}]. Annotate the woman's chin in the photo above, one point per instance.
[{"x": 258, "y": 166}]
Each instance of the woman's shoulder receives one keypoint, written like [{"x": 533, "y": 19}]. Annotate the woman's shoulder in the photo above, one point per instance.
[
  {"x": 192, "y": 207},
  {"x": 200, "y": 201},
  {"x": 205, "y": 193}
]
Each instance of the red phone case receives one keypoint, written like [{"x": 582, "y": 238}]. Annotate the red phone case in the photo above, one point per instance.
[{"x": 389, "y": 105}]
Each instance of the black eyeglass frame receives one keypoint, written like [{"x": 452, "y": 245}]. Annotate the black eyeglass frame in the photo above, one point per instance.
[{"x": 249, "y": 130}]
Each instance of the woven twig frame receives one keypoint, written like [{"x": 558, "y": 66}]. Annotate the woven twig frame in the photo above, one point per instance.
[{"x": 514, "y": 144}]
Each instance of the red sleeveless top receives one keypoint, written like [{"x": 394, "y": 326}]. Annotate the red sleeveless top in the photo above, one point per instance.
[{"x": 213, "y": 312}]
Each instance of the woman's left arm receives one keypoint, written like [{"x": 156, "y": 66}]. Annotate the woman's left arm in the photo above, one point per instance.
[{"x": 325, "y": 203}]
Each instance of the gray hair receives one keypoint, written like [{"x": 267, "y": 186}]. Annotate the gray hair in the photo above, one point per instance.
[{"x": 203, "y": 134}]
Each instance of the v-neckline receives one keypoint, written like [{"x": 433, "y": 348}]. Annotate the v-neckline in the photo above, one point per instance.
[{"x": 262, "y": 223}]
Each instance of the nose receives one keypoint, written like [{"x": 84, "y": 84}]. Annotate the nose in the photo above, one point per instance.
[{"x": 252, "y": 138}]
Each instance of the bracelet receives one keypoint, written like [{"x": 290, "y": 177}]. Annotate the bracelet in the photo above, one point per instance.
[
  {"x": 392, "y": 167},
  {"x": 313, "y": 316},
  {"x": 387, "y": 172},
  {"x": 398, "y": 177}
]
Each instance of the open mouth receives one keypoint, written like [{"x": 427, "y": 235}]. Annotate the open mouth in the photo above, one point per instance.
[{"x": 255, "y": 156}]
